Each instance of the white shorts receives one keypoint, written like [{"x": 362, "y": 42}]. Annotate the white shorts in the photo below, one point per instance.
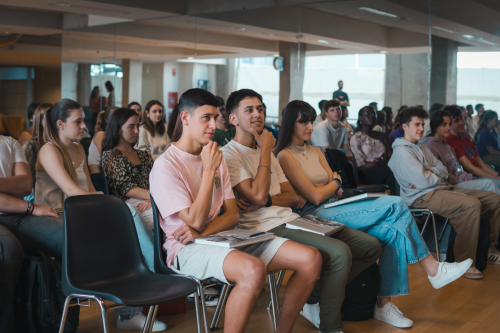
[
  {"x": 148, "y": 215},
  {"x": 206, "y": 261}
]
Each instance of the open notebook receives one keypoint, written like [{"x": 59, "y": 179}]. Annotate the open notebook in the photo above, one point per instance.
[
  {"x": 315, "y": 225},
  {"x": 235, "y": 238},
  {"x": 361, "y": 197}
]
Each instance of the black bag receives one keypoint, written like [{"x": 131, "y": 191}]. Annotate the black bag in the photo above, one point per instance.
[
  {"x": 483, "y": 244},
  {"x": 339, "y": 163},
  {"x": 39, "y": 299},
  {"x": 361, "y": 295}
]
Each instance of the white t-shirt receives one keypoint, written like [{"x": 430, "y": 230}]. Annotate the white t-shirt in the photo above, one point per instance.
[
  {"x": 324, "y": 135},
  {"x": 242, "y": 163},
  {"x": 10, "y": 152}
]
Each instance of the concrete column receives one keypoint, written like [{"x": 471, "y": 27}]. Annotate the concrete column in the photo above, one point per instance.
[
  {"x": 222, "y": 81},
  {"x": 406, "y": 80},
  {"x": 83, "y": 84},
  {"x": 131, "y": 81},
  {"x": 444, "y": 71},
  {"x": 292, "y": 76}
]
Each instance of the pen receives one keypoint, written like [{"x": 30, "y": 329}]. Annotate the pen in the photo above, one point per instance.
[{"x": 257, "y": 234}]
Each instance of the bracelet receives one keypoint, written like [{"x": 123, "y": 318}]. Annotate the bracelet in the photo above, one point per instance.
[
  {"x": 338, "y": 182},
  {"x": 29, "y": 208},
  {"x": 32, "y": 209},
  {"x": 264, "y": 167}
]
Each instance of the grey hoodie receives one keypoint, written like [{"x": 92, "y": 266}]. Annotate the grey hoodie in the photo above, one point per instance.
[{"x": 408, "y": 162}]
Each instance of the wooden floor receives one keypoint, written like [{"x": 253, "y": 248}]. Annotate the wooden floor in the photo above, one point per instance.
[{"x": 462, "y": 306}]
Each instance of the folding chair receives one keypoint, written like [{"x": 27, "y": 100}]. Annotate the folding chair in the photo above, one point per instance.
[
  {"x": 421, "y": 212},
  {"x": 161, "y": 267}
]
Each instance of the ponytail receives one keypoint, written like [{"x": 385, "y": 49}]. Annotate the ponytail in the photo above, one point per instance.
[
  {"x": 60, "y": 111},
  {"x": 103, "y": 119}
]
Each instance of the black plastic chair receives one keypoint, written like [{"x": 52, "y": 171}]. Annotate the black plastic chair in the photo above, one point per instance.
[
  {"x": 161, "y": 267},
  {"x": 368, "y": 188},
  {"x": 102, "y": 260}
]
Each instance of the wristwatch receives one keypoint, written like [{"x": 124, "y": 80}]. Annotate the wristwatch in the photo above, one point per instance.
[{"x": 269, "y": 201}]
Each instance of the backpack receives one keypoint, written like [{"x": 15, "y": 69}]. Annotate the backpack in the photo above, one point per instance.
[
  {"x": 39, "y": 300},
  {"x": 361, "y": 295},
  {"x": 483, "y": 244},
  {"x": 339, "y": 163}
]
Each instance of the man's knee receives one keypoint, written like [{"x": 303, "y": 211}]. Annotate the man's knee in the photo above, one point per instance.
[
  {"x": 253, "y": 272},
  {"x": 311, "y": 260},
  {"x": 372, "y": 246},
  {"x": 338, "y": 255}
]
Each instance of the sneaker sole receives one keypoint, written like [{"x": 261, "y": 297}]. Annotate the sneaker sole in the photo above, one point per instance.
[
  {"x": 388, "y": 322},
  {"x": 473, "y": 277},
  {"x": 462, "y": 272}
]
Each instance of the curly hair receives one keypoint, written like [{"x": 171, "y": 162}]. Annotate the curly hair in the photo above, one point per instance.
[{"x": 414, "y": 111}]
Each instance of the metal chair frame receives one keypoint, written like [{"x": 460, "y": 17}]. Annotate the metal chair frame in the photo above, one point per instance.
[{"x": 430, "y": 214}]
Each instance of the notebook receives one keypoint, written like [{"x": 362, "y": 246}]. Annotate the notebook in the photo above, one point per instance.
[
  {"x": 361, "y": 197},
  {"x": 315, "y": 225},
  {"x": 235, "y": 238}
]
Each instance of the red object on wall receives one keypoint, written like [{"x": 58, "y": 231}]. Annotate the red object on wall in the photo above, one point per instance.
[
  {"x": 172, "y": 99},
  {"x": 175, "y": 307},
  {"x": 174, "y": 71}
]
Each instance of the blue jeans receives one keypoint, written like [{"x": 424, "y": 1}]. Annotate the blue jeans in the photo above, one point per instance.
[
  {"x": 145, "y": 235},
  {"x": 389, "y": 220}
]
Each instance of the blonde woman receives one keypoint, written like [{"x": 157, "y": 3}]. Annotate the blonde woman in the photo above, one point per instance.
[{"x": 153, "y": 130}]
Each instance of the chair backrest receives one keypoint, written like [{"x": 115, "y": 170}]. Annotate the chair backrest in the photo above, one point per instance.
[
  {"x": 160, "y": 261},
  {"x": 101, "y": 241}
]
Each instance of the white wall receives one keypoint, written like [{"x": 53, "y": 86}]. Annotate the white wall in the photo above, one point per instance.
[
  {"x": 170, "y": 82},
  {"x": 69, "y": 72},
  {"x": 479, "y": 85}
]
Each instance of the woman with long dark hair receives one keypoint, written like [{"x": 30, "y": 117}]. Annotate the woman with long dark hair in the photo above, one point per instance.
[
  {"x": 172, "y": 120},
  {"x": 127, "y": 171},
  {"x": 387, "y": 218},
  {"x": 488, "y": 141},
  {"x": 153, "y": 135},
  {"x": 389, "y": 124},
  {"x": 136, "y": 107}
]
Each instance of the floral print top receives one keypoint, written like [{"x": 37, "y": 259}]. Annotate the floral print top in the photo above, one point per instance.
[{"x": 365, "y": 148}]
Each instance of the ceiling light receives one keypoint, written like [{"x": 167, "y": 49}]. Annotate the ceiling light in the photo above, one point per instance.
[
  {"x": 443, "y": 29},
  {"x": 469, "y": 36},
  {"x": 322, "y": 41},
  {"x": 190, "y": 58},
  {"x": 384, "y": 52},
  {"x": 379, "y": 12}
]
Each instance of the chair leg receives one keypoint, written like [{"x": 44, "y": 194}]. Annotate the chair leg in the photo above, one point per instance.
[
  {"x": 65, "y": 313},
  {"x": 444, "y": 229},
  {"x": 274, "y": 299},
  {"x": 435, "y": 236},
  {"x": 199, "y": 292},
  {"x": 102, "y": 306},
  {"x": 214, "y": 325},
  {"x": 281, "y": 276},
  {"x": 150, "y": 319},
  {"x": 426, "y": 223}
]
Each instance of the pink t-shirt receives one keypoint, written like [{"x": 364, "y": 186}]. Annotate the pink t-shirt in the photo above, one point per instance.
[{"x": 174, "y": 184}]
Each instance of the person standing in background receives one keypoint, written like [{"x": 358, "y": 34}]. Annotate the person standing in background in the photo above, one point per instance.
[
  {"x": 97, "y": 103},
  {"x": 340, "y": 95},
  {"x": 476, "y": 120},
  {"x": 111, "y": 96}
]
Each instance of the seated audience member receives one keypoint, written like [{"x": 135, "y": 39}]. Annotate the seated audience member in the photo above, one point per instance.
[
  {"x": 225, "y": 131},
  {"x": 61, "y": 171},
  {"x": 191, "y": 185},
  {"x": 136, "y": 107},
  {"x": 24, "y": 227},
  {"x": 127, "y": 169},
  {"x": 440, "y": 122},
  {"x": 26, "y": 135},
  {"x": 322, "y": 114},
  {"x": 343, "y": 121},
  {"x": 315, "y": 183},
  {"x": 153, "y": 130},
  {"x": 269, "y": 129},
  {"x": 477, "y": 118},
  {"x": 471, "y": 126},
  {"x": 372, "y": 152},
  {"x": 453, "y": 109},
  {"x": 487, "y": 139},
  {"x": 94, "y": 158},
  {"x": 389, "y": 124},
  {"x": 32, "y": 147},
  {"x": 397, "y": 131},
  {"x": 374, "y": 105},
  {"x": 434, "y": 107},
  {"x": 266, "y": 199},
  {"x": 331, "y": 133},
  {"x": 422, "y": 179},
  {"x": 465, "y": 150},
  {"x": 172, "y": 120},
  {"x": 379, "y": 122}
]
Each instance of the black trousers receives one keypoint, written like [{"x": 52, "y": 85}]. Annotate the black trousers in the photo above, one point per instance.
[
  {"x": 380, "y": 174},
  {"x": 20, "y": 234}
]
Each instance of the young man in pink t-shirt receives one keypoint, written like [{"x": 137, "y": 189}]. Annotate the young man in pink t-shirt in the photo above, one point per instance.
[{"x": 191, "y": 186}]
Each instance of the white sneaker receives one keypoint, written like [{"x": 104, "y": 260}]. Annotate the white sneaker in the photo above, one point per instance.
[
  {"x": 449, "y": 272},
  {"x": 493, "y": 256},
  {"x": 473, "y": 273},
  {"x": 391, "y": 315},
  {"x": 311, "y": 313},
  {"x": 211, "y": 297},
  {"x": 137, "y": 323}
]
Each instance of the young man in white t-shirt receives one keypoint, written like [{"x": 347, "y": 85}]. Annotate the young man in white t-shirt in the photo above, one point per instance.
[
  {"x": 331, "y": 133},
  {"x": 266, "y": 199},
  {"x": 24, "y": 227},
  {"x": 190, "y": 184}
]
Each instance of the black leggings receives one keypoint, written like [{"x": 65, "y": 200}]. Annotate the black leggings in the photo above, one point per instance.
[{"x": 380, "y": 174}]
